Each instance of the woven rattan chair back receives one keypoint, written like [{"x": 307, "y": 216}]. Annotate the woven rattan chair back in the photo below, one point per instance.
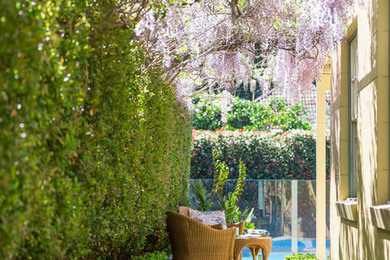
[{"x": 192, "y": 240}]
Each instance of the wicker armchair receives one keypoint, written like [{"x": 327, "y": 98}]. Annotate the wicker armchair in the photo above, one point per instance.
[
  {"x": 185, "y": 211},
  {"x": 192, "y": 240}
]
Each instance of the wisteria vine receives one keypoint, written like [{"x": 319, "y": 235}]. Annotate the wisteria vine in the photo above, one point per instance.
[{"x": 204, "y": 44}]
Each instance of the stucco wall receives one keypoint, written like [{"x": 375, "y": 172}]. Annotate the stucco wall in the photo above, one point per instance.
[{"x": 360, "y": 239}]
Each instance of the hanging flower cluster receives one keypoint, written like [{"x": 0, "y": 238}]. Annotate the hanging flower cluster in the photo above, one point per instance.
[{"x": 207, "y": 44}]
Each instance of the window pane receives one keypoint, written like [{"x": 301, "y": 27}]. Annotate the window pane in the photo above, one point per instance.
[
  {"x": 354, "y": 161},
  {"x": 353, "y": 79},
  {"x": 353, "y": 47}
]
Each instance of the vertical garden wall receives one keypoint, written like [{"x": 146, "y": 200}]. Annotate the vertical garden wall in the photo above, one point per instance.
[{"x": 92, "y": 150}]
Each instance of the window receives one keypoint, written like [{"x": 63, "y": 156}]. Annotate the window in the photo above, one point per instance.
[{"x": 353, "y": 116}]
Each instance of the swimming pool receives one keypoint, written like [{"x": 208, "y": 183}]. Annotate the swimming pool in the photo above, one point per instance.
[{"x": 282, "y": 247}]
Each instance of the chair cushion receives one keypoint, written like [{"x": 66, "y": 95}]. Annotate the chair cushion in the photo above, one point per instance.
[
  {"x": 209, "y": 217},
  {"x": 258, "y": 232}
]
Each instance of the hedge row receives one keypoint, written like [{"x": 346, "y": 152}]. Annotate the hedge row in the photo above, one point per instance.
[
  {"x": 245, "y": 114},
  {"x": 92, "y": 151},
  {"x": 267, "y": 155}
]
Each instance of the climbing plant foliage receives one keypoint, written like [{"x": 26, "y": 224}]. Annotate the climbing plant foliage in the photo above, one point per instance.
[{"x": 92, "y": 150}]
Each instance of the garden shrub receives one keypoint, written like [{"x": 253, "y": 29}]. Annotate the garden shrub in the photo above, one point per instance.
[
  {"x": 207, "y": 115},
  {"x": 152, "y": 256},
  {"x": 301, "y": 257},
  {"x": 92, "y": 151},
  {"x": 245, "y": 114},
  {"x": 267, "y": 155}
]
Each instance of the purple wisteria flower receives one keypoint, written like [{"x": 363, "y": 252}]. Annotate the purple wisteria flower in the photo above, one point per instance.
[{"x": 204, "y": 44}]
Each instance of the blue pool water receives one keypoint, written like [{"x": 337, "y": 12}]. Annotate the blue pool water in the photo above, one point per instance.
[{"x": 282, "y": 247}]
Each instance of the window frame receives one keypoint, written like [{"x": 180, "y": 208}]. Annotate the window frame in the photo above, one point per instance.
[{"x": 353, "y": 153}]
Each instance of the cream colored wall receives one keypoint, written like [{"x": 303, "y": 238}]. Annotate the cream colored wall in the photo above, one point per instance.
[{"x": 361, "y": 240}]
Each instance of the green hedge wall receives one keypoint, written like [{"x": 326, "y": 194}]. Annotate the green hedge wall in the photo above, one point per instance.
[
  {"x": 245, "y": 114},
  {"x": 92, "y": 151},
  {"x": 267, "y": 155}
]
